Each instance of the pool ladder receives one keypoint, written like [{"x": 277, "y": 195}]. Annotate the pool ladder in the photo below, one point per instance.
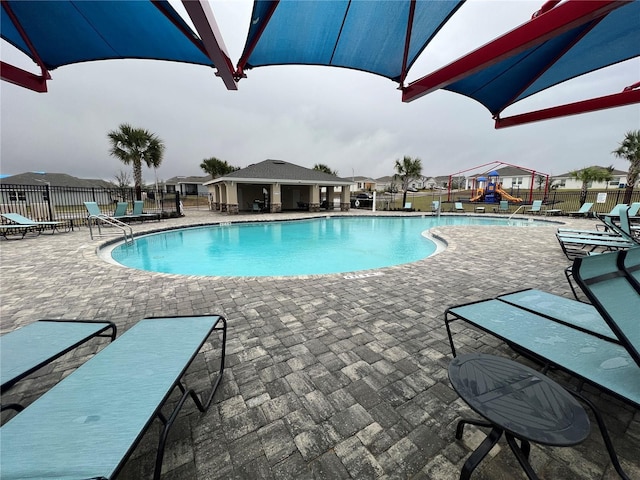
[{"x": 98, "y": 220}]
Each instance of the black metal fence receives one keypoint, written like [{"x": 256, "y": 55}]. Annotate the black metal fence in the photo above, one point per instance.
[
  {"x": 51, "y": 203},
  {"x": 567, "y": 201}
]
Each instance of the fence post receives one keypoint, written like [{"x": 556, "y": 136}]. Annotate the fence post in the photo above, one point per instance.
[{"x": 48, "y": 186}]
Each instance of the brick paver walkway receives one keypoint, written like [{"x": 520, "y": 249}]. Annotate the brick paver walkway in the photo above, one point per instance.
[{"x": 327, "y": 377}]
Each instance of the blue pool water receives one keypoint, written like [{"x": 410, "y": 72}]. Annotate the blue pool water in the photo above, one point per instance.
[{"x": 301, "y": 247}]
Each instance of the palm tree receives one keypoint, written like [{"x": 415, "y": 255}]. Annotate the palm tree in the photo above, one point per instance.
[
  {"x": 630, "y": 150},
  {"x": 406, "y": 170},
  {"x": 216, "y": 167},
  {"x": 588, "y": 175},
  {"x": 136, "y": 145},
  {"x": 321, "y": 167}
]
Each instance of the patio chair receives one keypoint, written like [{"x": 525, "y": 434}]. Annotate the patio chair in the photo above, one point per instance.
[
  {"x": 408, "y": 207},
  {"x": 634, "y": 208},
  {"x": 536, "y": 207},
  {"x": 630, "y": 263},
  {"x": 435, "y": 206},
  {"x": 577, "y": 245},
  {"x": 27, "y": 349},
  {"x": 614, "y": 294},
  {"x": 121, "y": 212},
  {"x": 18, "y": 219},
  {"x": 552, "y": 337},
  {"x": 503, "y": 207},
  {"x": 458, "y": 207},
  {"x": 91, "y": 421},
  {"x": 138, "y": 211},
  {"x": 583, "y": 211}
]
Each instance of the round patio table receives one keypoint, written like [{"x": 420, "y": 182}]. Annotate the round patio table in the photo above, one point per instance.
[{"x": 518, "y": 401}]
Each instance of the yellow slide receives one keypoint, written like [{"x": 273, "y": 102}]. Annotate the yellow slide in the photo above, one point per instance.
[
  {"x": 505, "y": 196},
  {"x": 477, "y": 197}
]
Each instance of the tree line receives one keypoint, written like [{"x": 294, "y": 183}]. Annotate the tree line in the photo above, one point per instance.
[{"x": 135, "y": 146}]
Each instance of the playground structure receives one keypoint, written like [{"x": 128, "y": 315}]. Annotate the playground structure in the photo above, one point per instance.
[{"x": 489, "y": 189}]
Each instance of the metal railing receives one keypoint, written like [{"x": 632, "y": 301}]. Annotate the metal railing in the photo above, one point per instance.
[
  {"x": 54, "y": 203},
  {"x": 100, "y": 220}
]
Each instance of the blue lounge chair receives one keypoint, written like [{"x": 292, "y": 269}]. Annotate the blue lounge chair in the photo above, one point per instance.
[
  {"x": 138, "y": 211},
  {"x": 435, "y": 206},
  {"x": 27, "y": 349},
  {"x": 12, "y": 229},
  {"x": 459, "y": 207},
  {"x": 630, "y": 263},
  {"x": 581, "y": 349},
  {"x": 536, "y": 207},
  {"x": 18, "y": 219},
  {"x": 88, "y": 424},
  {"x": 583, "y": 211},
  {"x": 503, "y": 207}
]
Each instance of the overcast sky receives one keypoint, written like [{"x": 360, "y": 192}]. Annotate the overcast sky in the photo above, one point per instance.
[{"x": 354, "y": 122}]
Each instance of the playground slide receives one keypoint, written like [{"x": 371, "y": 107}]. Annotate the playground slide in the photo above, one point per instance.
[
  {"x": 478, "y": 196},
  {"x": 505, "y": 196}
]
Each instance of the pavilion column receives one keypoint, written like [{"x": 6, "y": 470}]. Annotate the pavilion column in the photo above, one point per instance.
[
  {"x": 232, "y": 197},
  {"x": 330, "y": 193},
  {"x": 345, "y": 199},
  {"x": 314, "y": 198},
  {"x": 276, "y": 199}
]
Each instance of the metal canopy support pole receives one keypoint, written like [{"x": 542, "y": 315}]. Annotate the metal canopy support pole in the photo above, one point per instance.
[
  {"x": 207, "y": 27},
  {"x": 558, "y": 20}
]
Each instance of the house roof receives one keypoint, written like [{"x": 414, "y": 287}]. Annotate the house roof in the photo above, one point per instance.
[
  {"x": 614, "y": 172},
  {"x": 54, "y": 179},
  {"x": 271, "y": 170},
  {"x": 194, "y": 179}
]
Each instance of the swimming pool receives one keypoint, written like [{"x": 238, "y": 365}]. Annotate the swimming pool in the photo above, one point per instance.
[{"x": 287, "y": 248}]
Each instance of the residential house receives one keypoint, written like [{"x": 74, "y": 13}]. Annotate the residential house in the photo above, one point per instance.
[
  {"x": 566, "y": 181},
  {"x": 188, "y": 185},
  {"x": 31, "y": 193},
  {"x": 363, "y": 184}
]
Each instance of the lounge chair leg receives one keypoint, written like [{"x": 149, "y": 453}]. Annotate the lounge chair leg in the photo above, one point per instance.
[{"x": 605, "y": 434}]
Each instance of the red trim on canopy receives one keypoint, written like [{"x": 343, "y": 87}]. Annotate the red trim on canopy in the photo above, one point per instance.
[
  {"x": 554, "y": 22},
  {"x": 18, "y": 76},
  {"x": 249, "y": 49},
  {"x": 23, "y": 78},
  {"x": 627, "y": 97}
]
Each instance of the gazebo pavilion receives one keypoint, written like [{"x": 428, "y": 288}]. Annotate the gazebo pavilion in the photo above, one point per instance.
[{"x": 276, "y": 185}]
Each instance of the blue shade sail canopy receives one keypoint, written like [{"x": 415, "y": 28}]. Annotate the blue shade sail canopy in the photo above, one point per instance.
[
  {"x": 564, "y": 40},
  {"x": 60, "y": 32},
  {"x": 66, "y": 32},
  {"x": 383, "y": 37},
  {"x": 589, "y": 47}
]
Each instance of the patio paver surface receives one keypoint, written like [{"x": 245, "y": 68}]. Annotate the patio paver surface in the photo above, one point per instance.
[{"x": 327, "y": 377}]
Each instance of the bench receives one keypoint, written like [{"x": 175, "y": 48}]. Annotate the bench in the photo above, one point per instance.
[
  {"x": 88, "y": 424},
  {"x": 27, "y": 349}
]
